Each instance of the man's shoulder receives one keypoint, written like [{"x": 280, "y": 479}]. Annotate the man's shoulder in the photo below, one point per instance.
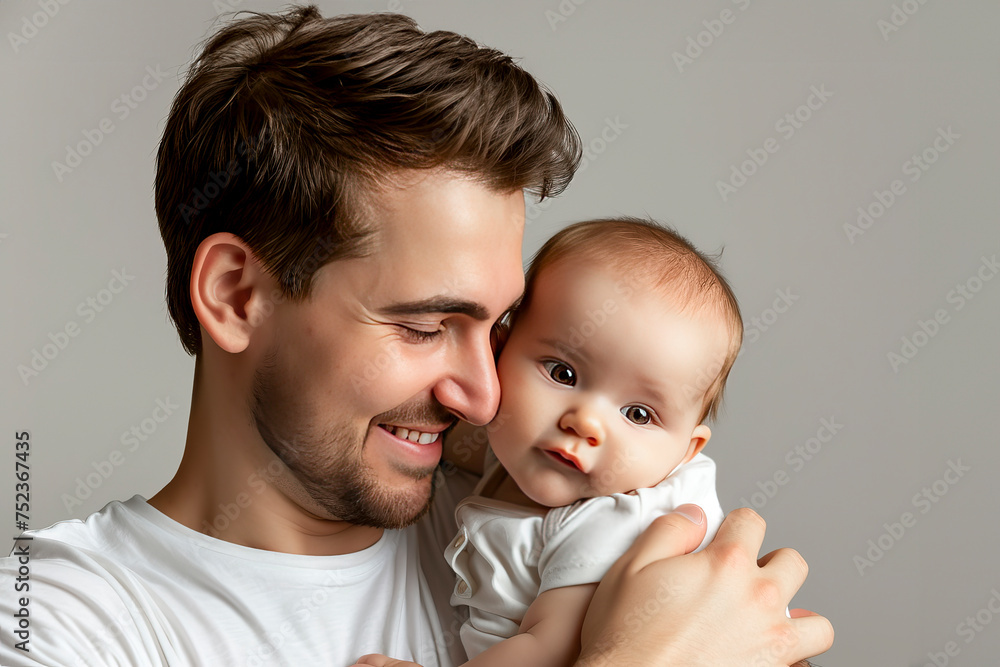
[
  {"x": 75, "y": 593},
  {"x": 93, "y": 532}
]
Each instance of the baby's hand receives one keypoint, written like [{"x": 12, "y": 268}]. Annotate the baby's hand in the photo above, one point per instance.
[{"x": 378, "y": 660}]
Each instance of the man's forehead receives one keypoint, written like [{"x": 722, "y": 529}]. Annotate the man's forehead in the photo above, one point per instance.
[{"x": 395, "y": 190}]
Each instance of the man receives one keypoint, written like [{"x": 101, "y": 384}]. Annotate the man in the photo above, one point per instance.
[{"x": 341, "y": 202}]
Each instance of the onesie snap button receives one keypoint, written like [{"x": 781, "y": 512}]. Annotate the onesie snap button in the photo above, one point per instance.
[{"x": 461, "y": 539}]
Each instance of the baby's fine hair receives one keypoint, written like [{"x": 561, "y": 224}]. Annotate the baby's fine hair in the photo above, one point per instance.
[{"x": 648, "y": 254}]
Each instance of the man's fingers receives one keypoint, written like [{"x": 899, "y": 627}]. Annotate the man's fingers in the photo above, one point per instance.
[
  {"x": 673, "y": 534},
  {"x": 815, "y": 634},
  {"x": 379, "y": 660},
  {"x": 742, "y": 530},
  {"x": 786, "y": 568}
]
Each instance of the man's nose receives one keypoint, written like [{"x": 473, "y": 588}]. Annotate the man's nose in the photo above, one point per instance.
[
  {"x": 470, "y": 389},
  {"x": 583, "y": 421}
]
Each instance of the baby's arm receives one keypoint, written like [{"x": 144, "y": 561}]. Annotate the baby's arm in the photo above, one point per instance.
[{"x": 550, "y": 632}]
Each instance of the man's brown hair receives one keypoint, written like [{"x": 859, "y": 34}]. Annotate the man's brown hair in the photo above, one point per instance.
[
  {"x": 287, "y": 122},
  {"x": 648, "y": 255}
]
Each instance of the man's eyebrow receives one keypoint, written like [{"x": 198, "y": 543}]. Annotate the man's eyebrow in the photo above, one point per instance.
[{"x": 437, "y": 304}]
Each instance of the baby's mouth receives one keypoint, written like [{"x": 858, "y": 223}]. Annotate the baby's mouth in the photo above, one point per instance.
[{"x": 564, "y": 458}]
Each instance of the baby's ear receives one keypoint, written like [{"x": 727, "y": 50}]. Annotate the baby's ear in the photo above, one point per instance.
[{"x": 699, "y": 438}]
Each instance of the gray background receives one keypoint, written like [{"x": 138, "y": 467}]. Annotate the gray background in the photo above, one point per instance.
[{"x": 680, "y": 130}]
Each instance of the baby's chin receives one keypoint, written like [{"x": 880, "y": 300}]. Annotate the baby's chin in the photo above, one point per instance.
[
  {"x": 545, "y": 493},
  {"x": 549, "y": 495}
]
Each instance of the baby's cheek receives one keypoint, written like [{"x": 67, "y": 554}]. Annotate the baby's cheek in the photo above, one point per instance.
[
  {"x": 514, "y": 410},
  {"x": 500, "y": 432}
]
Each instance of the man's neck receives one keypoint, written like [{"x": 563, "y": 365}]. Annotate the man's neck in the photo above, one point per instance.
[{"x": 231, "y": 487}]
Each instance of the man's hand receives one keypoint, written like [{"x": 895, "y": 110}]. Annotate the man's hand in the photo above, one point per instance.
[
  {"x": 721, "y": 606},
  {"x": 378, "y": 660}
]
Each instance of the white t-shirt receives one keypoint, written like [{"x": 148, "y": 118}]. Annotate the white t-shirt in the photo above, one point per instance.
[
  {"x": 505, "y": 555},
  {"x": 130, "y": 587}
]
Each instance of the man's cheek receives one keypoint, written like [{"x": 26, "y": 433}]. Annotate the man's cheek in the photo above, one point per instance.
[{"x": 370, "y": 371}]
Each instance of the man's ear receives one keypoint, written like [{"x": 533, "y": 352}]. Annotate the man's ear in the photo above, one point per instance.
[
  {"x": 229, "y": 290},
  {"x": 699, "y": 438}
]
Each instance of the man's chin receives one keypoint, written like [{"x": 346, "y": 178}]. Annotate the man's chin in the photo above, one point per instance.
[
  {"x": 398, "y": 505},
  {"x": 420, "y": 502}
]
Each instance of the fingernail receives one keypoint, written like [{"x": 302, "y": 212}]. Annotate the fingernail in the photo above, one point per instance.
[{"x": 692, "y": 513}]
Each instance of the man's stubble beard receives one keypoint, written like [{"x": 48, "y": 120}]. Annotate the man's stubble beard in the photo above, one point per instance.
[{"x": 327, "y": 460}]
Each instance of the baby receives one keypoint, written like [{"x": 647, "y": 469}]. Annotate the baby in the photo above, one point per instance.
[{"x": 616, "y": 358}]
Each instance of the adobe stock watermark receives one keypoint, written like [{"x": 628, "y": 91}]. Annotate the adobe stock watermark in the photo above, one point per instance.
[
  {"x": 701, "y": 41},
  {"x": 786, "y": 126},
  {"x": 777, "y": 652},
  {"x": 898, "y": 17},
  {"x": 957, "y": 298},
  {"x": 215, "y": 184},
  {"x": 121, "y": 107},
  {"x": 391, "y": 348},
  {"x": 796, "y": 459},
  {"x": 473, "y": 443},
  {"x": 58, "y": 341},
  {"x": 624, "y": 462},
  {"x": 451, "y": 632},
  {"x": 577, "y": 335},
  {"x": 666, "y": 593},
  {"x": 636, "y": 619},
  {"x": 390, "y": 352},
  {"x": 31, "y": 25},
  {"x": 131, "y": 440},
  {"x": 592, "y": 150},
  {"x": 535, "y": 209},
  {"x": 562, "y": 12},
  {"x": 923, "y": 501},
  {"x": 274, "y": 638},
  {"x": 318, "y": 257},
  {"x": 915, "y": 167},
  {"x": 968, "y": 629},
  {"x": 229, "y": 512},
  {"x": 225, "y": 6},
  {"x": 758, "y": 324},
  {"x": 753, "y": 329}
]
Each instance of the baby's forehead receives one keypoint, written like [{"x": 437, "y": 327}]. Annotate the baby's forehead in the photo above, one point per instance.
[
  {"x": 640, "y": 285},
  {"x": 585, "y": 291}
]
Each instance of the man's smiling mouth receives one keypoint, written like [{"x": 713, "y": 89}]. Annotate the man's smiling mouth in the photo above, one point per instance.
[{"x": 413, "y": 435}]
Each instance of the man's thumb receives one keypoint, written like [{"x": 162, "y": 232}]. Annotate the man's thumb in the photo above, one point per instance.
[{"x": 673, "y": 534}]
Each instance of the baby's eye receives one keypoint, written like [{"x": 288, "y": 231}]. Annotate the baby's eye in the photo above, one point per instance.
[
  {"x": 636, "y": 414},
  {"x": 560, "y": 372}
]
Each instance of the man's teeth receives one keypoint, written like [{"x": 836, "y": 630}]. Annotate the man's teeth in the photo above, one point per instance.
[{"x": 418, "y": 437}]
